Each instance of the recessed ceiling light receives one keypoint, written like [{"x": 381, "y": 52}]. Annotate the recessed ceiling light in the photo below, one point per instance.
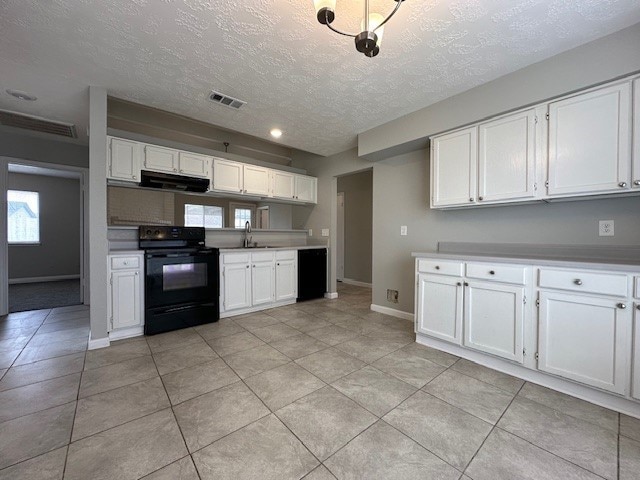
[
  {"x": 19, "y": 94},
  {"x": 276, "y": 132}
]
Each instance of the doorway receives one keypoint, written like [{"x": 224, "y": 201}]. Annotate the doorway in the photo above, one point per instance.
[
  {"x": 354, "y": 228},
  {"x": 43, "y": 236}
]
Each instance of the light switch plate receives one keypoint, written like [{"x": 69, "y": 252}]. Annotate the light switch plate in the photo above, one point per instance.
[
  {"x": 310, "y": 232},
  {"x": 403, "y": 230},
  {"x": 606, "y": 228},
  {"x": 325, "y": 232}
]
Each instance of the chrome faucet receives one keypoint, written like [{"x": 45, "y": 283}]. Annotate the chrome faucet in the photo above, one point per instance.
[{"x": 247, "y": 230}]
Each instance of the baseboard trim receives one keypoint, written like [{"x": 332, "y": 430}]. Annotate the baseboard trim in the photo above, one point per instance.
[
  {"x": 604, "y": 399},
  {"x": 357, "y": 283},
  {"x": 259, "y": 308},
  {"x": 393, "y": 312},
  {"x": 331, "y": 295},
  {"x": 98, "y": 343},
  {"x": 53, "y": 278}
]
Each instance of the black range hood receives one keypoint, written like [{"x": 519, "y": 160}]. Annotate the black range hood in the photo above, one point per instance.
[{"x": 168, "y": 181}]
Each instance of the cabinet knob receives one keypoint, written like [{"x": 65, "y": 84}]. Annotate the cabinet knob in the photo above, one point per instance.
[
  {"x": 466, "y": 284},
  {"x": 181, "y": 170},
  {"x": 136, "y": 274},
  {"x": 480, "y": 198},
  {"x": 491, "y": 272},
  {"x": 437, "y": 267},
  {"x": 277, "y": 264},
  {"x": 636, "y": 182},
  {"x": 471, "y": 199},
  {"x": 240, "y": 190},
  {"x": 577, "y": 281},
  {"x": 622, "y": 184},
  {"x": 622, "y": 306},
  {"x": 459, "y": 284},
  {"x": 254, "y": 266},
  {"x": 134, "y": 177},
  {"x": 248, "y": 266},
  {"x": 638, "y": 307},
  {"x": 175, "y": 169}
]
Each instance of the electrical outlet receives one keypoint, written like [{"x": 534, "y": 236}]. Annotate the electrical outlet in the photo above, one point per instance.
[
  {"x": 310, "y": 232},
  {"x": 606, "y": 228},
  {"x": 325, "y": 232},
  {"x": 403, "y": 230},
  {"x": 392, "y": 296}
]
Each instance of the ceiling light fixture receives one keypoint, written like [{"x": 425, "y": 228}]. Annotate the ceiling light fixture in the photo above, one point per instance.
[
  {"x": 19, "y": 94},
  {"x": 369, "y": 39},
  {"x": 276, "y": 132}
]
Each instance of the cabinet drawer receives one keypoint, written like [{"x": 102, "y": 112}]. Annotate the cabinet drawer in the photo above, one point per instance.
[
  {"x": 262, "y": 257},
  {"x": 443, "y": 267},
  {"x": 121, "y": 263},
  {"x": 584, "y": 281},
  {"x": 498, "y": 272},
  {"x": 228, "y": 258},
  {"x": 286, "y": 255},
  {"x": 636, "y": 290}
]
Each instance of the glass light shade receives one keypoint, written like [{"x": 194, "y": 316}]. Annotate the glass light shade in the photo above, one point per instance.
[
  {"x": 319, "y": 4},
  {"x": 375, "y": 19}
]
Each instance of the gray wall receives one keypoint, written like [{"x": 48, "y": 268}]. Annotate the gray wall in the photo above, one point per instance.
[
  {"x": 43, "y": 150},
  {"x": 358, "y": 224},
  {"x": 59, "y": 249},
  {"x": 401, "y": 183}
]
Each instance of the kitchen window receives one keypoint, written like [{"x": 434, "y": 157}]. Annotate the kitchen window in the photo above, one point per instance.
[
  {"x": 23, "y": 217},
  {"x": 242, "y": 213},
  {"x": 207, "y": 216}
]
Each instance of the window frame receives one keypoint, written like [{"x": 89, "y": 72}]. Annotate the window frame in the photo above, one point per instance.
[
  {"x": 25, "y": 243},
  {"x": 204, "y": 206},
  {"x": 242, "y": 206}
]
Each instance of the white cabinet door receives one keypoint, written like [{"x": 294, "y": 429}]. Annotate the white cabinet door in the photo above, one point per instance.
[
  {"x": 227, "y": 176},
  {"x": 286, "y": 280},
  {"x": 306, "y": 188},
  {"x": 194, "y": 165},
  {"x": 454, "y": 159},
  {"x": 160, "y": 159},
  {"x": 282, "y": 184},
  {"x": 636, "y": 134},
  {"x": 126, "y": 293},
  {"x": 256, "y": 180},
  {"x": 236, "y": 286},
  {"x": 589, "y": 138},
  {"x": 494, "y": 319},
  {"x": 585, "y": 338},
  {"x": 439, "y": 307},
  {"x": 124, "y": 161},
  {"x": 636, "y": 352},
  {"x": 506, "y": 161},
  {"x": 262, "y": 283}
]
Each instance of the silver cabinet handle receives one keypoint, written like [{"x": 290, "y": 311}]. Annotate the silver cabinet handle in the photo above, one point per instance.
[
  {"x": 181, "y": 171},
  {"x": 471, "y": 199},
  {"x": 622, "y": 184},
  {"x": 622, "y": 306},
  {"x": 480, "y": 198},
  {"x": 133, "y": 176},
  {"x": 577, "y": 281},
  {"x": 175, "y": 169},
  {"x": 459, "y": 284},
  {"x": 466, "y": 284},
  {"x": 636, "y": 182}
]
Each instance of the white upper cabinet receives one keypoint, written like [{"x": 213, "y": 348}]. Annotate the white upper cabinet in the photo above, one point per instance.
[
  {"x": 124, "y": 160},
  {"x": 160, "y": 159},
  {"x": 283, "y": 184},
  {"x": 306, "y": 188},
  {"x": 256, "y": 180},
  {"x": 453, "y": 168},
  {"x": 193, "y": 164},
  {"x": 228, "y": 176},
  {"x": 506, "y": 158},
  {"x": 635, "y": 177},
  {"x": 589, "y": 140}
]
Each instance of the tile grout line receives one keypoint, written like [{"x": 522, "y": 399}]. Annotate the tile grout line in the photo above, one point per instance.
[{"x": 75, "y": 413}]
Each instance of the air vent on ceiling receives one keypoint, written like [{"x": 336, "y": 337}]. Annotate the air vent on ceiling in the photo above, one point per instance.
[
  {"x": 226, "y": 100},
  {"x": 37, "y": 124}
]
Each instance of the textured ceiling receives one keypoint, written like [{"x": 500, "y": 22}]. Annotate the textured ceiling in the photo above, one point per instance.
[{"x": 292, "y": 71}]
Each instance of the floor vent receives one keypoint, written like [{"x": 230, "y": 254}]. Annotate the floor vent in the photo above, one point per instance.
[
  {"x": 226, "y": 100},
  {"x": 37, "y": 124}
]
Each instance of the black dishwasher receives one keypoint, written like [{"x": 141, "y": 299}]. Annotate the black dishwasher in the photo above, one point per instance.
[{"x": 312, "y": 273}]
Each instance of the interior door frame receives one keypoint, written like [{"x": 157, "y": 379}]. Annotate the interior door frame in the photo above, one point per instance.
[
  {"x": 84, "y": 225},
  {"x": 340, "y": 237}
]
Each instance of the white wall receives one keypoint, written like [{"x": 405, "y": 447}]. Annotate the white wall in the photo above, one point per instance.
[
  {"x": 59, "y": 250},
  {"x": 27, "y": 147}
]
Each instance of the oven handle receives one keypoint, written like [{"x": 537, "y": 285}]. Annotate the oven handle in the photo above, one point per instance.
[{"x": 178, "y": 309}]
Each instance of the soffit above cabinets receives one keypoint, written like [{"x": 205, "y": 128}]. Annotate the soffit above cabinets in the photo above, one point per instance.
[{"x": 293, "y": 72}]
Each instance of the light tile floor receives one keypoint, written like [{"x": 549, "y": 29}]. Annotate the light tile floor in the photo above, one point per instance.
[{"x": 319, "y": 390}]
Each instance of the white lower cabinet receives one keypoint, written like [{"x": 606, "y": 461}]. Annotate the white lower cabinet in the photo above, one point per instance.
[
  {"x": 635, "y": 391},
  {"x": 126, "y": 286},
  {"x": 439, "y": 307},
  {"x": 494, "y": 319},
  {"x": 584, "y": 338},
  {"x": 252, "y": 281}
]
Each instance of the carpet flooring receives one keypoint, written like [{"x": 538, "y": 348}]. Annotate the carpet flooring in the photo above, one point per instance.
[{"x": 37, "y": 296}]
